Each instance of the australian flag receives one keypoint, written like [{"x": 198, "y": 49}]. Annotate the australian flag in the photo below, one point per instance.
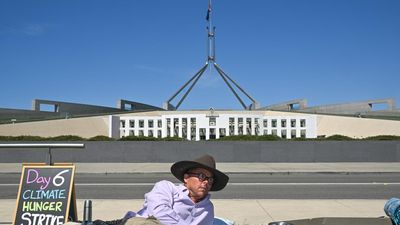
[{"x": 208, "y": 10}]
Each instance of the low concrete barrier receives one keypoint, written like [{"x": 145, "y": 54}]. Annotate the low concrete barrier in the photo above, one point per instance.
[{"x": 223, "y": 151}]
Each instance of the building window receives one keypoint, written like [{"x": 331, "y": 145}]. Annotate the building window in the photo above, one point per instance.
[
  {"x": 265, "y": 123},
  {"x": 302, "y": 123},
  {"x": 193, "y": 122},
  {"x": 248, "y": 131},
  {"x": 168, "y": 127},
  {"x": 176, "y": 127},
  {"x": 222, "y": 132},
  {"x": 240, "y": 126},
  {"x": 212, "y": 133},
  {"x": 293, "y": 123},
  {"x": 151, "y": 123},
  {"x": 202, "y": 132},
  {"x": 283, "y": 134},
  {"x": 303, "y": 133},
  {"x": 132, "y": 123},
  {"x": 131, "y": 133},
  {"x": 231, "y": 126},
  {"x": 273, "y": 123},
  {"x": 248, "y": 126},
  {"x": 184, "y": 127},
  {"x": 193, "y": 133},
  {"x": 257, "y": 127},
  {"x": 283, "y": 123},
  {"x": 150, "y": 133},
  {"x": 184, "y": 132},
  {"x": 159, "y": 123},
  {"x": 231, "y": 130},
  {"x": 248, "y": 122},
  {"x": 274, "y": 132},
  {"x": 159, "y": 133},
  {"x": 265, "y": 132},
  {"x": 240, "y": 130},
  {"x": 141, "y": 123},
  {"x": 141, "y": 133},
  {"x": 231, "y": 121},
  {"x": 293, "y": 134},
  {"x": 123, "y": 123},
  {"x": 212, "y": 121}
]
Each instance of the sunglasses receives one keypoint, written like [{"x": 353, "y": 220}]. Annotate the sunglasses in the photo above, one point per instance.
[{"x": 202, "y": 177}]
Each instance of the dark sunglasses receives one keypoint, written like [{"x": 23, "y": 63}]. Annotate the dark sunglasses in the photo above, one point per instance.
[{"x": 202, "y": 177}]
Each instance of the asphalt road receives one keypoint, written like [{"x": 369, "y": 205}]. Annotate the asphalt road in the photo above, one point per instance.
[{"x": 241, "y": 186}]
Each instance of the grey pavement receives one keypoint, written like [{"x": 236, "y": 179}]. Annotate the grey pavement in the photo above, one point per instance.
[{"x": 254, "y": 211}]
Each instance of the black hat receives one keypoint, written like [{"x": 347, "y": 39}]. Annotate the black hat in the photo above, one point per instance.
[{"x": 207, "y": 162}]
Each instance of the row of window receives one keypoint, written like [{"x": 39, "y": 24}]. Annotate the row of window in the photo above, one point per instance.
[
  {"x": 140, "y": 133},
  {"x": 283, "y": 123},
  {"x": 212, "y": 133},
  {"x": 213, "y": 122},
  {"x": 284, "y": 133},
  {"x": 141, "y": 123}
]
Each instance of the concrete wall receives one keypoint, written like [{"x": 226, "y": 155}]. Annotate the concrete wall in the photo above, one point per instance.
[
  {"x": 271, "y": 151},
  {"x": 84, "y": 127},
  {"x": 356, "y": 127}
]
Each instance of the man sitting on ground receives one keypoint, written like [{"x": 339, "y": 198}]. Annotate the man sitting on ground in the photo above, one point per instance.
[{"x": 187, "y": 203}]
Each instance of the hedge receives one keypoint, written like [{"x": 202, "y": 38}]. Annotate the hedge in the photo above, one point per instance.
[{"x": 336, "y": 137}]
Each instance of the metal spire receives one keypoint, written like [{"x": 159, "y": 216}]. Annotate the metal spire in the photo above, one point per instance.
[
  {"x": 211, "y": 35},
  {"x": 211, "y": 61}
]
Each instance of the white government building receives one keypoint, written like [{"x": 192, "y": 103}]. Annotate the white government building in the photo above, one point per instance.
[
  {"x": 196, "y": 125},
  {"x": 211, "y": 124}
]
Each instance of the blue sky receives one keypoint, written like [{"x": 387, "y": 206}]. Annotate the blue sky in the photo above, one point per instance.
[{"x": 96, "y": 52}]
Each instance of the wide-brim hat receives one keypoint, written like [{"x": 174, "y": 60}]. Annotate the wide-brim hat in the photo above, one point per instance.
[{"x": 207, "y": 162}]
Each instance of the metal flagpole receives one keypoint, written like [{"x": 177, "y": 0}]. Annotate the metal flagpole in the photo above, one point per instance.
[{"x": 211, "y": 60}]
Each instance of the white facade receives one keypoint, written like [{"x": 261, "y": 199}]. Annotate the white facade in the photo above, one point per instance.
[
  {"x": 205, "y": 125},
  {"x": 316, "y": 125}
]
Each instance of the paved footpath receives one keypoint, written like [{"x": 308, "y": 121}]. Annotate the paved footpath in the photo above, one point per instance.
[
  {"x": 254, "y": 211},
  {"x": 261, "y": 211}
]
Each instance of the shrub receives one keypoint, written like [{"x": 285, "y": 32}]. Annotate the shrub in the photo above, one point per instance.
[
  {"x": 302, "y": 139},
  {"x": 143, "y": 138},
  {"x": 338, "y": 137},
  {"x": 136, "y": 138},
  {"x": 22, "y": 138},
  {"x": 100, "y": 138},
  {"x": 4, "y": 138},
  {"x": 269, "y": 138},
  {"x": 172, "y": 139},
  {"x": 66, "y": 138},
  {"x": 250, "y": 138},
  {"x": 383, "y": 138}
]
